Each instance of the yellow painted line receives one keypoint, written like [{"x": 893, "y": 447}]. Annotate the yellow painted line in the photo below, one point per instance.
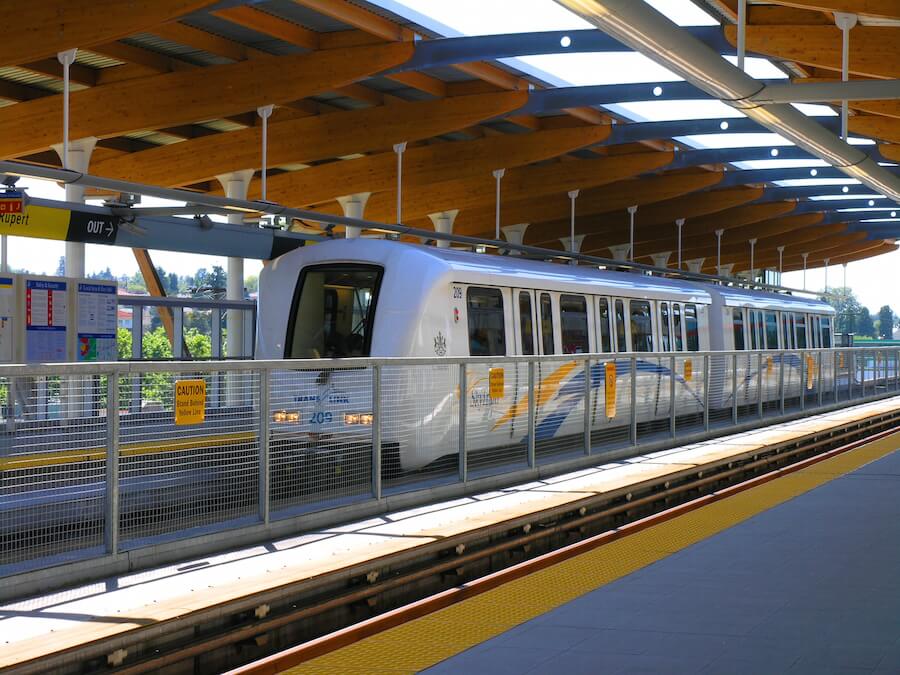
[
  {"x": 128, "y": 450},
  {"x": 423, "y": 642}
]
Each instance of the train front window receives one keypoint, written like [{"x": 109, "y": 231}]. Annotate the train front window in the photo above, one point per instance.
[
  {"x": 574, "y": 324},
  {"x": 737, "y": 323},
  {"x": 641, "y": 326},
  {"x": 333, "y": 312},
  {"x": 487, "y": 333}
]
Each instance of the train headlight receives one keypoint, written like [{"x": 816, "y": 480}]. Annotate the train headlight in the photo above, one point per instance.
[
  {"x": 358, "y": 418},
  {"x": 285, "y": 416}
]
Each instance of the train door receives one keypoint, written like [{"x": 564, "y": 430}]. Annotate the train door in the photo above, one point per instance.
[
  {"x": 677, "y": 328},
  {"x": 547, "y": 343},
  {"x": 604, "y": 342},
  {"x": 524, "y": 320},
  {"x": 665, "y": 327}
]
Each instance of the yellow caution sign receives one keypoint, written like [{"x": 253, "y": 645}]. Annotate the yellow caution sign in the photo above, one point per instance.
[
  {"x": 810, "y": 371},
  {"x": 190, "y": 401},
  {"x": 610, "y": 381},
  {"x": 496, "y": 378},
  {"x": 841, "y": 360},
  {"x": 770, "y": 365},
  {"x": 688, "y": 370}
]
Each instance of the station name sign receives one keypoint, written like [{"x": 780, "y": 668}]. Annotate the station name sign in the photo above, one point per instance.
[{"x": 44, "y": 222}]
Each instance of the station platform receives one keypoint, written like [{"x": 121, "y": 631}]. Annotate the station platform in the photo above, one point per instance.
[
  {"x": 797, "y": 574},
  {"x": 65, "y": 628}
]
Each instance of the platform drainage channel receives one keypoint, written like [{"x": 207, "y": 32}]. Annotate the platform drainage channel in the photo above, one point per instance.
[{"x": 226, "y": 637}]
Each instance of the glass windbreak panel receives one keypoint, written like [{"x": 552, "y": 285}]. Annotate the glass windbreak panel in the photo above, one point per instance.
[
  {"x": 800, "y": 320},
  {"x": 487, "y": 334},
  {"x": 771, "y": 330},
  {"x": 641, "y": 326},
  {"x": 574, "y": 324},
  {"x": 526, "y": 324},
  {"x": 691, "y": 328},
  {"x": 737, "y": 323},
  {"x": 621, "y": 344},
  {"x": 676, "y": 327},
  {"x": 603, "y": 313},
  {"x": 826, "y": 332},
  {"x": 546, "y": 324},
  {"x": 666, "y": 345},
  {"x": 754, "y": 334},
  {"x": 333, "y": 312}
]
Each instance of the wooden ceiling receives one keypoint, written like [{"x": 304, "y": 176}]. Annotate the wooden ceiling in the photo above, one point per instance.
[{"x": 170, "y": 88}]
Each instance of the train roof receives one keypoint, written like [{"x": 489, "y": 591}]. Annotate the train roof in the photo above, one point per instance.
[
  {"x": 742, "y": 297},
  {"x": 511, "y": 271}
]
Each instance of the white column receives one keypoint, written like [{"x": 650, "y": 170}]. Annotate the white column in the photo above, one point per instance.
[
  {"x": 805, "y": 256},
  {"x": 827, "y": 261},
  {"x": 752, "y": 252},
  {"x": 660, "y": 259},
  {"x": 78, "y": 160},
  {"x": 719, "y": 234},
  {"x": 443, "y": 223},
  {"x": 695, "y": 265},
  {"x": 515, "y": 234},
  {"x": 235, "y": 185},
  {"x": 354, "y": 205},
  {"x": 845, "y": 275},
  {"x": 631, "y": 211},
  {"x": 679, "y": 223},
  {"x": 725, "y": 270},
  {"x": 780, "y": 250},
  {"x": 573, "y": 244},
  {"x": 620, "y": 252}
]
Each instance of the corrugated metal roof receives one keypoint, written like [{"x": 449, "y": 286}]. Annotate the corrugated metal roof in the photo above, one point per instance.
[
  {"x": 23, "y": 76},
  {"x": 89, "y": 58},
  {"x": 157, "y": 44},
  {"x": 246, "y": 36},
  {"x": 302, "y": 16},
  {"x": 222, "y": 125}
]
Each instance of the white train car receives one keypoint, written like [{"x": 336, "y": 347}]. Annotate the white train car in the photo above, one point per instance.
[{"x": 378, "y": 298}]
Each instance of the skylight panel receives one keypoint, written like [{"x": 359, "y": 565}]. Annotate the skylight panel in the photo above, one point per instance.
[
  {"x": 753, "y": 140},
  {"x": 761, "y": 69},
  {"x": 663, "y": 111},
  {"x": 683, "y": 12},
  {"x": 802, "y": 182},
  {"x": 815, "y": 110},
  {"x": 598, "y": 68},
  {"x": 780, "y": 163}
]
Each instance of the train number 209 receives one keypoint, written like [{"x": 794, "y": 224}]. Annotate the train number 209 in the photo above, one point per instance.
[{"x": 320, "y": 418}]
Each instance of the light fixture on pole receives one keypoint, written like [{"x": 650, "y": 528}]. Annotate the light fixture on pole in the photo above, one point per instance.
[
  {"x": 66, "y": 58},
  {"x": 780, "y": 250},
  {"x": 719, "y": 234},
  {"x": 827, "y": 260},
  {"x": 752, "y": 251},
  {"x": 573, "y": 195},
  {"x": 845, "y": 276},
  {"x": 498, "y": 175},
  {"x": 845, "y": 22},
  {"x": 631, "y": 211},
  {"x": 804, "y": 256},
  {"x": 400, "y": 148},
  {"x": 679, "y": 223},
  {"x": 264, "y": 112}
]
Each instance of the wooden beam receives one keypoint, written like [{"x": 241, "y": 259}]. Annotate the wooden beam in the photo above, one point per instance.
[
  {"x": 879, "y": 247},
  {"x": 268, "y": 24},
  {"x": 787, "y": 232},
  {"x": 890, "y": 152},
  {"x": 184, "y": 97},
  {"x": 150, "y": 62},
  {"x": 425, "y": 164},
  {"x": 887, "y": 108},
  {"x": 874, "y": 50},
  {"x": 833, "y": 251},
  {"x": 78, "y": 74},
  {"x": 356, "y": 16},
  {"x": 308, "y": 139},
  {"x": 38, "y": 30},
  {"x": 876, "y": 126},
  {"x": 612, "y": 228},
  {"x": 887, "y": 9},
  {"x": 595, "y": 200},
  {"x": 189, "y": 36},
  {"x": 552, "y": 181}
]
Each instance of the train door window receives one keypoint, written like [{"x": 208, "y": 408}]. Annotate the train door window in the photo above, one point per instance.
[
  {"x": 526, "y": 323},
  {"x": 737, "y": 324},
  {"x": 754, "y": 333},
  {"x": 826, "y": 332},
  {"x": 546, "y": 324},
  {"x": 800, "y": 321},
  {"x": 787, "y": 333},
  {"x": 573, "y": 324},
  {"x": 665, "y": 341},
  {"x": 771, "y": 330},
  {"x": 691, "y": 328},
  {"x": 676, "y": 327},
  {"x": 815, "y": 332},
  {"x": 621, "y": 341},
  {"x": 641, "y": 326},
  {"x": 603, "y": 314},
  {"x": 333, "y": 312},
  {"x": 487, "y": 334}
]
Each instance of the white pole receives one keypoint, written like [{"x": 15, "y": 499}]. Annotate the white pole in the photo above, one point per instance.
[
  {"x": 265, "y": 112},
  {"x": 741, "y": 33},
  {"x": 631, "y": 211},
  {"x": 498, "y": 174},
  {"x": 827, "y": 260},
  {"x": 845, "y": 22},
  {"x": 679, "y": 224},
  {"x": 780, "y": 250},
  {"x": 399, "y": 148},
  {"x": 752, "y": 251},
  {"x": 845, "y": 276},
  {"x": 66, "y": 58},
  {"x": 4, "y": 254},
  {"x": 804, "y": 256},
  {"x": 573, "y": 195},
  {"x": 719, "y": 234}
]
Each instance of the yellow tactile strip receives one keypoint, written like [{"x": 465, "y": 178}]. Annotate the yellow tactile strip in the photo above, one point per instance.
[{"x": 424, "y": 642}]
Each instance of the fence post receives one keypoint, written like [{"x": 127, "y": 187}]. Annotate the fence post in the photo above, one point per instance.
[
  {"x": 178, "y": 332},
  {"x": 463, "y": 404},
  {"x": 376, "y": 431},
  {"x": 137, "y": 342},
  {"x": 265, "y": 467},
  {"x": 532, "y": 413},
  {"x": 759, "y": 385},
  {"x": 819, "y": 398},
  {"x": 706, "y": 392},
  {"x": 634, "y": 400},
  {"x": 672, "y": 366},
  {"x": 781, "y": 392},
  {"x": 111, "y": 530},
  {"x": 803, "y": 375},
  {"x": 587, "y": 406},
  {"x": 734, "y": 406}
]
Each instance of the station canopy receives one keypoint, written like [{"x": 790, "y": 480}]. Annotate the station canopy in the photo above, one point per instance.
[{"x": 616, "y": 100}]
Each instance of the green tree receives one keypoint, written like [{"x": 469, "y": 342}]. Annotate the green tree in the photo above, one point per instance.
[
  {"x": 847, "y": 309},
  {"x": 251, "y": 283},
  {"x": 886, "y": 322},
  {"x": 865, "y": 324}
]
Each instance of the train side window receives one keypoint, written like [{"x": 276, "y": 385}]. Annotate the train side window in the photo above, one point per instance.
[
  {"x": 754, "y": 334},
  {"x": 621, "y": 344},
  {"x": 691, "y": 328},
  {"x": 800, "y": 321},
  {"x": 526, "y": 323},
  {"x": 786, "y": 332},
  {"x": 603, "y": 313},
  {"x": 826, "y": 332},
  {"x": 641, "y": 326},
  {"x": 771, "y": 330},
  {"x": 547, "y": 323},
  {"x": 487, "y": 334},
  {"x": 574, "y": 324},
  {"x": 666, "y": 343},
  {"x": 737, "y": 323},
  {"x": 815, "y": 332},
  {"x": 676, "y": 327}
]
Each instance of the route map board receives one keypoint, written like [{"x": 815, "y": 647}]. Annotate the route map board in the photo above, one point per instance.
[
  {"x": 97, "y": 306},
  {"x": 46, "y": 320}
]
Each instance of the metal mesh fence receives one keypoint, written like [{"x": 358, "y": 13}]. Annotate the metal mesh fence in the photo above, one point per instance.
[
  {"x": 722, "y": 384},
  {"x": 560, "y": 422},
  {"x": 321, "y": 438},
  {"x": 654, "y": 395},
  {"x": 690, "y": 394},
  {"x": 611, "y": 418}
]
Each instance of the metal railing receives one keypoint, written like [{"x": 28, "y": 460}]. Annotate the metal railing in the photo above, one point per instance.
[{"x": 278, "y": 441}]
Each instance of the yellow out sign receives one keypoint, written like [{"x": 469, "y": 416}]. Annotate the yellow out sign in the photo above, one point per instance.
[
  {"x": 497, "y": 382},
  {"x": 190, "y": 401}
]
